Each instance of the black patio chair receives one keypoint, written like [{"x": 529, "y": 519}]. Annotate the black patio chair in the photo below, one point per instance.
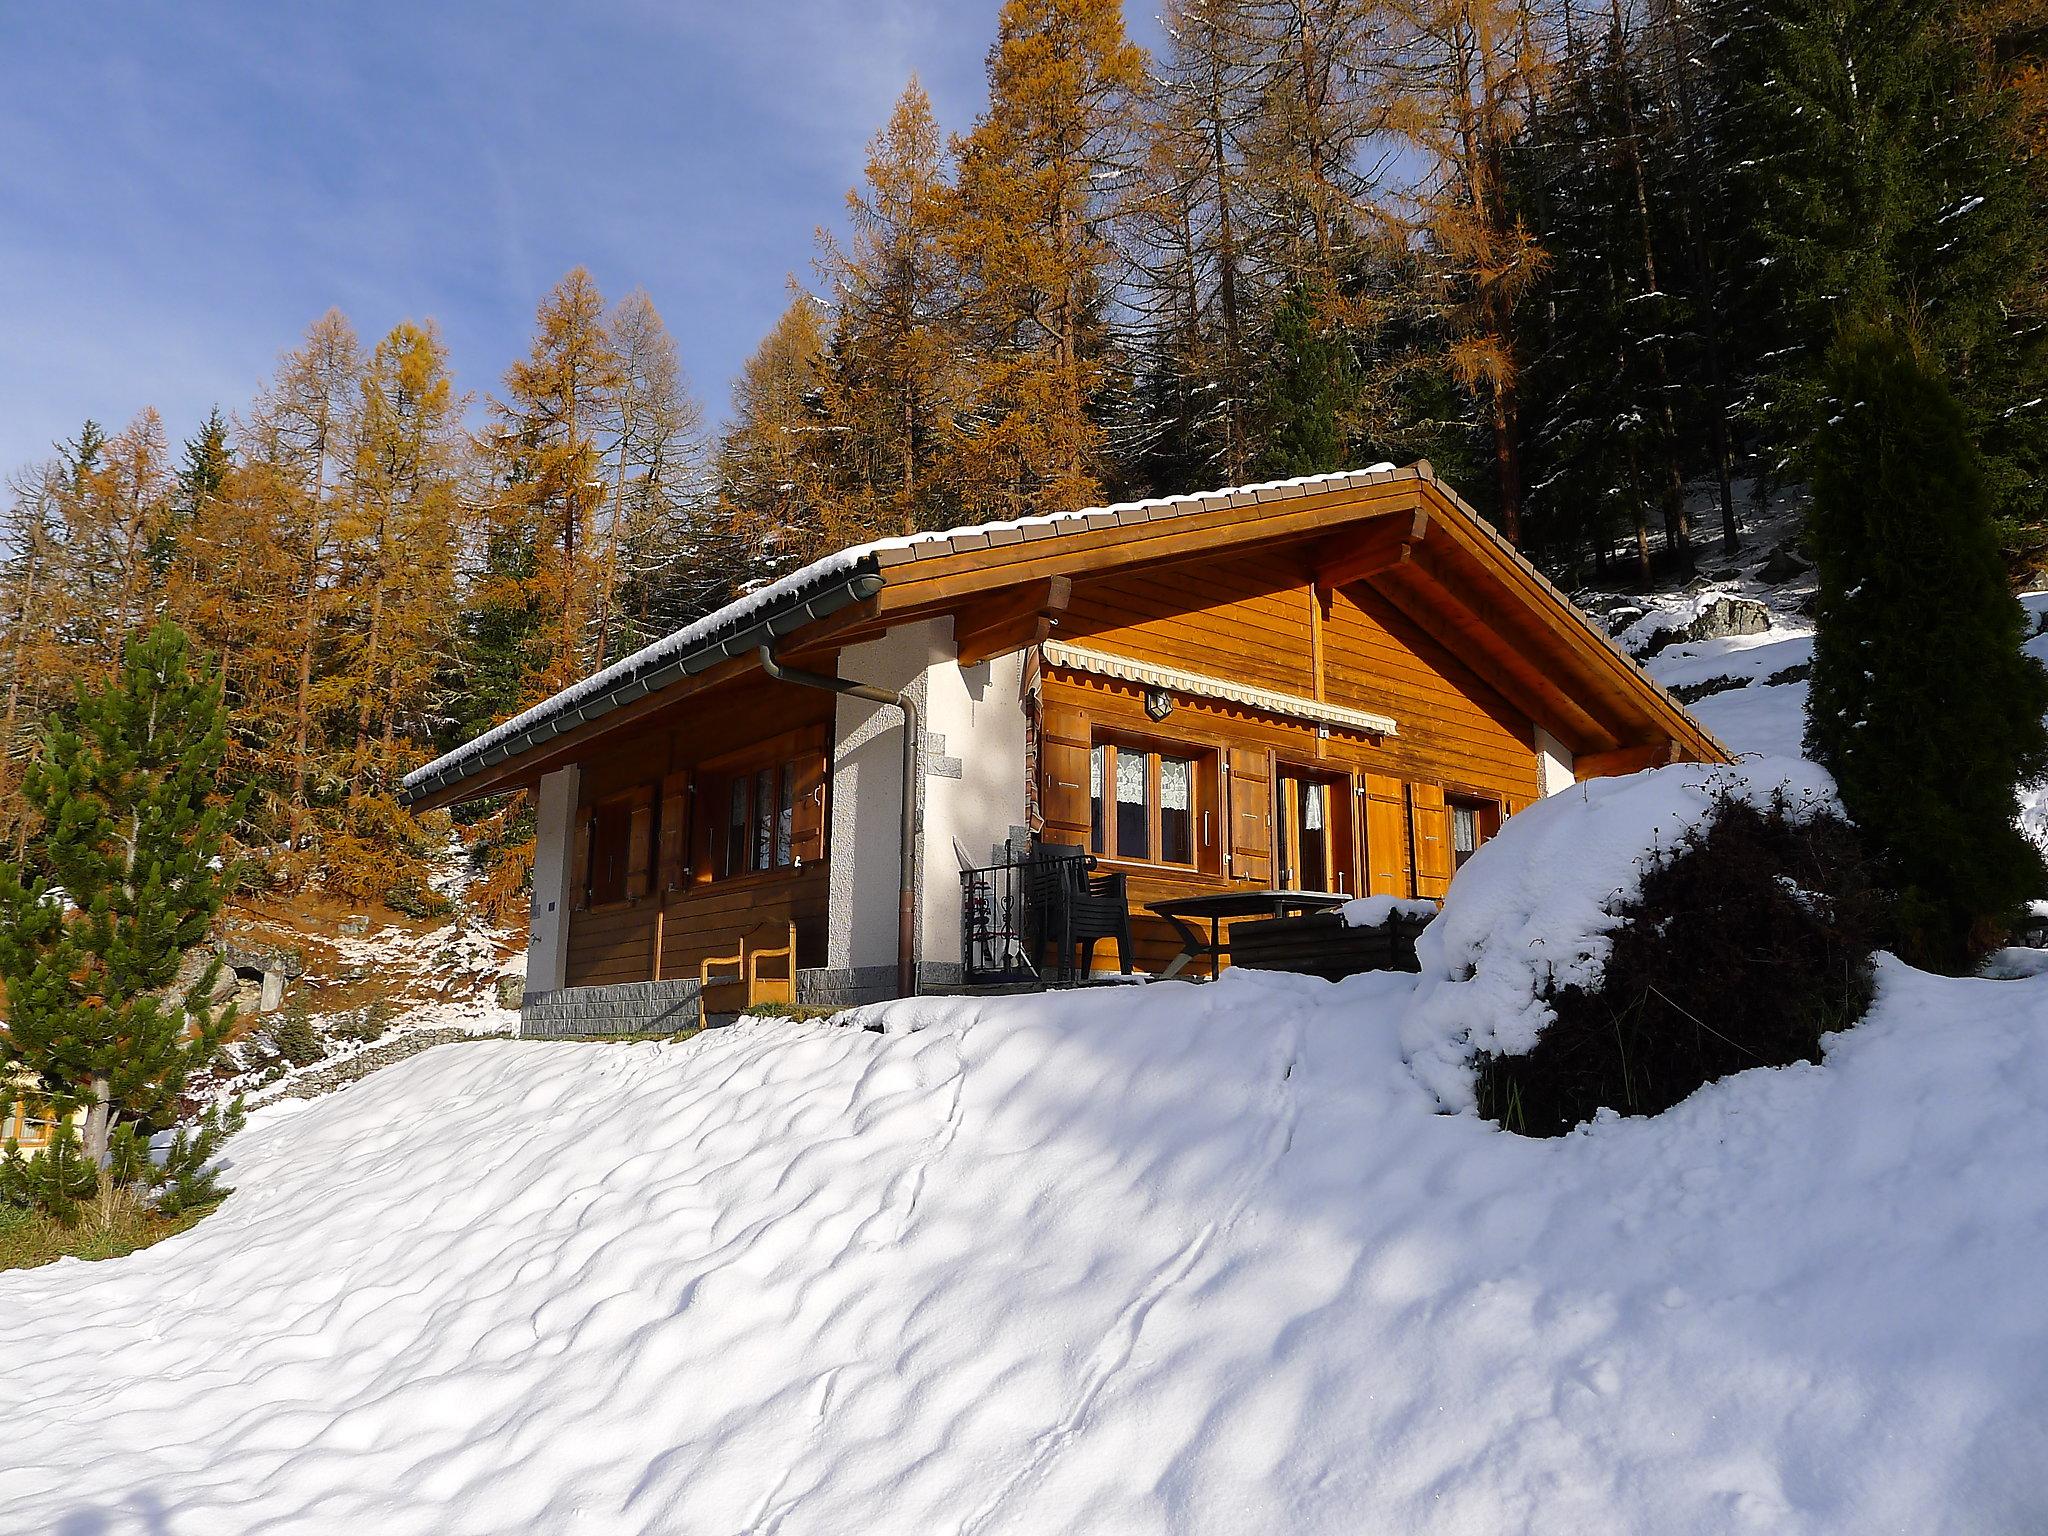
[{"x": 1073, "y": 908}]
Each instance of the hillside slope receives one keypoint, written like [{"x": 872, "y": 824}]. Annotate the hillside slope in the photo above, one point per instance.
[{"x": 1189, "y": 1259}]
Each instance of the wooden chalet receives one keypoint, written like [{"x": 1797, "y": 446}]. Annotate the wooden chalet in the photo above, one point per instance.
[{"x": 1342, "y": 682}]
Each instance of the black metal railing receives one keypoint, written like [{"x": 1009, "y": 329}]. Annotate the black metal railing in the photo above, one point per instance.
[
  {"x": 998, "y": 940},
  {"x": 1036, "y": 915}
]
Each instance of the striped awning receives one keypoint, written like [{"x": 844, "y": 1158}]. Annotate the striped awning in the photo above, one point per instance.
[{"x": 1198, "y": 685}]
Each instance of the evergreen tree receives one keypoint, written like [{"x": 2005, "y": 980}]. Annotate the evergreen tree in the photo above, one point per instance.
[
  {"x": 1867, "y": 169},
  {"x": 1923, "y": 705},
  {"x": 1309, "y": 393},
  {"x": 129, "y": 876}
]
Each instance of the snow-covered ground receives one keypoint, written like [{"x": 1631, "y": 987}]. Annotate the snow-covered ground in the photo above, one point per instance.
[
  {"x": 1170, "y": 1258},
  {"x": 1758, "y": 717},
  {"x": 1184, "y": 1259}
]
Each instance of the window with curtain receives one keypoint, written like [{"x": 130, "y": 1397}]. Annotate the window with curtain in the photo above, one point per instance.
[
  {"x": 1472, "y": 823},
  {"x": 1143, "y": 803},
  {"x": 759, "y": 831}
]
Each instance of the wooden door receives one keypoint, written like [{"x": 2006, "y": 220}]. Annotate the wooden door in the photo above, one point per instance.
[
  {"x": 1063, "y": 766},
  {"x": 672, "y": 866},
  {"x": 1312, "y": 832}
]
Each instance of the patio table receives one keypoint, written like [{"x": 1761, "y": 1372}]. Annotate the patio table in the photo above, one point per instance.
[{"x": 1185, "y": 912}]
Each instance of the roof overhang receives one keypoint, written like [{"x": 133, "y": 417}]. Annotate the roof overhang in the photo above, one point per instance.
[
  {"x": 1400, "y": 531},
  {"x": 441, "y": 782}
]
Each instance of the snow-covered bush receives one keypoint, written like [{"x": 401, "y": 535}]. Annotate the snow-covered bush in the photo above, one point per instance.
[{"x": 1622, "y": 943}]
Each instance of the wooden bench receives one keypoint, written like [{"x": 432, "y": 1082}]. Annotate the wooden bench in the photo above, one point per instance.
[
  {"x": 1322, "y": 944},
  {"x": 746, "y": 987}
]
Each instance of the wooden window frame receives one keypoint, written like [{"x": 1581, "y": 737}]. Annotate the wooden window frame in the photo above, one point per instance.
[
  {"x": 1201, "y": 761},
  {"x": 779, "y": 827},
  {"x": 1341, "y": 834},
  {"x": 634, "y": 814},
  {"x": 1488, "y": 814}
]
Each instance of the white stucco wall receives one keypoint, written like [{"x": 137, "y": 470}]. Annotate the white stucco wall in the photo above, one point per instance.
[
  {"x": 972, "y": 780},
  {"x": 547, "y": 928},
  {"x": 867, "y": 766},
  {"x": 974, "y": 783},
  {"x": 1553, "y": 763}
]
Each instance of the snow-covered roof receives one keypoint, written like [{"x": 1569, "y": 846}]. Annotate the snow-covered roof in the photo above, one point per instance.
[{"x": 794, "y": 596}]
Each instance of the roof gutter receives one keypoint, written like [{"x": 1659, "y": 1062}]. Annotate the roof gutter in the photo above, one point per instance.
[{"x": 855, "y": 587}]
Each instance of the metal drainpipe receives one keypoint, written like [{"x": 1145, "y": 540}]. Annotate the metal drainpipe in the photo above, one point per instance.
[{"x": 906, "y": 893}]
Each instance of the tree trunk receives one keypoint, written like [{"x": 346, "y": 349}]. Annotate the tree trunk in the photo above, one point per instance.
[
  {"x": 1677, "y": 531},
  {"x": 309, "y": 626},
  {"x": 99, "y": 1123},
  {"x": 1226, "y": 285},
  {"x": 1507, "y": 461}
]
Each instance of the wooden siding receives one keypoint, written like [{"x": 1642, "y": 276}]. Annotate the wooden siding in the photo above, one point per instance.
[
  {"x": 700, "y": 917},
  {"x": 1257, "y": 619}
]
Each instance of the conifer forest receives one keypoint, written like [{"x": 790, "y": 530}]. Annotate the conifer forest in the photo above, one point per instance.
[{"x": 1585, "y": 256}]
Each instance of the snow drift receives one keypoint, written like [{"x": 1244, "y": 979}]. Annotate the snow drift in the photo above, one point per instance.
[
  {"x": 1532, "y": 910},
  {"x": 1183, "y": 1259}
]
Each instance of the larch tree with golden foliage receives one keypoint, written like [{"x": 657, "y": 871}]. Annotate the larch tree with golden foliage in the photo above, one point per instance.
[
  {"x": 1467, "y": 71},
  {"x": 893, "y": 381},
  {"x": 654, "y": 549},
  {"x": 773, "y": 459},
  {"x": 300, "y": 442},
  {"x": 1031, "y": 240},
  {"x": 33, "y": 605},
  {"x": 546, "y": 504},
  {"x": 396, "y": 555}
]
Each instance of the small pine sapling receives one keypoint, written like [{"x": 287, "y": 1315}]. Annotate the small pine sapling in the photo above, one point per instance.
[
  {"x": 122, "y": 878},
  {"x": 295, "y": 1039},
  {"x": 57, "y": 1181},
  {"x": 186, "y": 1179}
]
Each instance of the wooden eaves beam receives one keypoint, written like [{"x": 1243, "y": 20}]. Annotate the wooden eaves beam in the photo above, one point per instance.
[
  {"x": 1345, "y": 561},
  {"x": 1012, "y": 620},
  {"x": 945, "y": 580},
  {"x": 1628, "y": 759},
  {"x": 526, "y": 769},
  {"x": 1654, "y": 712}
]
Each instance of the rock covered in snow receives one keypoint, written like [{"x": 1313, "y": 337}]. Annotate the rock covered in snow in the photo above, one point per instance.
[
  {"x": 1784, "y": 565},
  {"x": 1721, "y": 616},
  {"x": 1533, "y": 909}
]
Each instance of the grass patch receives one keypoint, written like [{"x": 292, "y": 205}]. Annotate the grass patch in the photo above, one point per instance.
[
  {"x": 29, "y": 1238},
  {"x": 803, "y": 1012}
]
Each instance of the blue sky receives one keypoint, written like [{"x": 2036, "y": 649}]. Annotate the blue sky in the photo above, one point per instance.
[{"x": 185, "y": 186}]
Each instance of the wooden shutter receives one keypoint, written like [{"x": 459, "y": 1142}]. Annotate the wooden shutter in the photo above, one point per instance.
[
  {"x": 1431, "y": 821},
  {"x": 580, "y": 833},
  {"x": 1063, "y": 760},
  {"x": 671, "y": 868},
  {"x": 807, "y": 821},
  {"x": 1386, "y": 837},
  {"x": 640, "y": 844},
  {"x": 1251, "y": 817}
]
